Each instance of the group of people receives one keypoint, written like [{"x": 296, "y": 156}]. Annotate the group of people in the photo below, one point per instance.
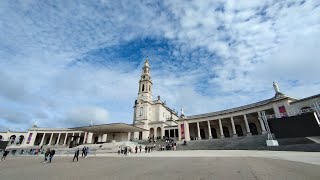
[
  {"x": 126, "y": 150},
  {"x": 48, "y": 155},
  {"x": 149, "y": 149},
  {"x": 85, "y": 151}
]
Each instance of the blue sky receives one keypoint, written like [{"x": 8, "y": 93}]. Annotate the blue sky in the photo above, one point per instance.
[{"x": 65, "y": 63}]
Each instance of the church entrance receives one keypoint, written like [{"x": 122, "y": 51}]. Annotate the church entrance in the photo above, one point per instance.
[
  {"x": 239, "y": 130},
  {"x": 159, "y": 135}
]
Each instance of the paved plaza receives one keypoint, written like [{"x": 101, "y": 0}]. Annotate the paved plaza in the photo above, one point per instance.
[{"x": 169, "y": 165}]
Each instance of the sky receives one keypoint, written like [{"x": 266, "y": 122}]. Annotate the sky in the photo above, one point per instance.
[{"x": 67, "y": 63}]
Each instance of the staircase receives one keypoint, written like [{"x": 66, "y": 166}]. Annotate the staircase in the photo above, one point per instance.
[{"x": 250, "y": 142}]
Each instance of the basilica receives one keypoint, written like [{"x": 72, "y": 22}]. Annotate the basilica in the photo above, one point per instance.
[{"x": 152, "y": 118}]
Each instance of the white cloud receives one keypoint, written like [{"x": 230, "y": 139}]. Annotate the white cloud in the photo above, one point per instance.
[{"x": 220, "y": 54}]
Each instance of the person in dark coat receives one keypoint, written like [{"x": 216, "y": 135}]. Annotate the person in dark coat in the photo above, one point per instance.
[
  {"x": 6, "y": 152},
  {"x": 136, "y": 148},
  {"x": 140, "y": 147},
  {"x": 46, "y": 155},
  {"x": 52, "y": 152},
  {"x": 76, "y": 154},
  {"x": 83, "y": 151}
]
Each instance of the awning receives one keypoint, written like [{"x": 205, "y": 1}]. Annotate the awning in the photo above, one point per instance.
[{"x": 110, "y": 128}]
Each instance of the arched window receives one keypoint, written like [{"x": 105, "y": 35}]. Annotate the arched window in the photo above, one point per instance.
[
  {"x": 149, "y": 87},
  {"x": 142, "y": 87},
  {"x": 141, "y": 111}
]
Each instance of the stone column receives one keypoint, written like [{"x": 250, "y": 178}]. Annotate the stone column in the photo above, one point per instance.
[
  {"x": 233, "y": 128},
  {"x": 198, "y": 130},
  {"x": 58, "y": 139},
  {"x": 104, "y": 137},
  {"x": 129, "y": 135},
  {"x": 276, "y": 110},
  {"x": 162, "y": 132},
  {"x": 84, "y": 137},
  {"x": 247, "y": 125},
  {"x": 179, "y": 130},
  {"x": 50, "y": 139},
  {"x": 72, "y": 137},
  {"x": 89, "y": 141},
  {"x": 209, "y": 130},
  {"x": 186, "y": 130},
  {"x": 65, "y": 139},
  {"x": 41, "y": 143},
  {"x": 221, "y": 129},
  {"x": 78, "y": 140},
  {"x": 263, "y": 128}
]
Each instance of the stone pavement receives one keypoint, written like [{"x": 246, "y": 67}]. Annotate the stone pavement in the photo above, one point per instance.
[{"x": 169, "y": 165}]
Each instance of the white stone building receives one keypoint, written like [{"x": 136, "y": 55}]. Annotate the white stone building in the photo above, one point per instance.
[
  {"x": 154, "y": 119},
  {"x": 150, "y": 114}
]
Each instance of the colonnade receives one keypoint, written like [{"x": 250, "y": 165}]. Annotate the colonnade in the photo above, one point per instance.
[{"x": 223, "y": 123}]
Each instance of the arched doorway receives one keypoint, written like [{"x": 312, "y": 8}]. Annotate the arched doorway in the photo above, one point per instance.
[
  {"x": 159, "y": 135},
  {"x": 151, "y": 133},
  {"x": 226, "y": 131},
  {"x": 253, "y": 128},
  {"x": 214, "y": 133},
  {"x": 239, "y": 130},
  {"x": 21, "y": 138},
  {"x": 12, "y": 139}
]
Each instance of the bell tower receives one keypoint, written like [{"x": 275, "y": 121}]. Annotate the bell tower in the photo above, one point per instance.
[
  {"x": 143, "y": 105},
  {"x": 145, "y": 84}
]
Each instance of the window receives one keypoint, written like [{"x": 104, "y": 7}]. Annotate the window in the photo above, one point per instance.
[
  {"x": 149, "y": 87},
  {"x": 141, "y": 111},
  {"x": 142, "y": 87}
]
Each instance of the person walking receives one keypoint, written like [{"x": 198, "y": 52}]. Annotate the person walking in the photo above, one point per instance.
[
  {"x": 76, "y": 154},
  {"x": 52, "y": 152},
  {"x": 87, "y": 152},
  {"x": 46, "y": 155},
  {"x": 146, "y": 149},
  {"x": 136, "y": 148},
  {"x": 140, "y": 147},
  {"x": 83, "y": 151},
  {"x": 5, "y": 153}
]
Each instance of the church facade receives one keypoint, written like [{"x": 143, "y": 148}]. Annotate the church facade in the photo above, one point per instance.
[
  {"x": 161, "y": 121},
  {"x": 153, "y": 115}
]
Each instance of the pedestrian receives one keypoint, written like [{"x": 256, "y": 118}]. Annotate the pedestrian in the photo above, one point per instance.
[
  {"x": 129, "y": 150},
  {"x": 5, "y": 153},
  {"x": 46, "y": 155},
  {"x": 76, "y": 154},
  {"x": 83, "y": 151},
  {"x": 140, "y": 147},
  {"x": 136, "y": 148},
  {"x": 146, "y": 149},
  {"x": 87, "y": 152},
  {"x": 52, "y": 152}
]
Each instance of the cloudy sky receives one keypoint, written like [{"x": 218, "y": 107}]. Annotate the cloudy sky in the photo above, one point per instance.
[{"x": 65, "y": 63}]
